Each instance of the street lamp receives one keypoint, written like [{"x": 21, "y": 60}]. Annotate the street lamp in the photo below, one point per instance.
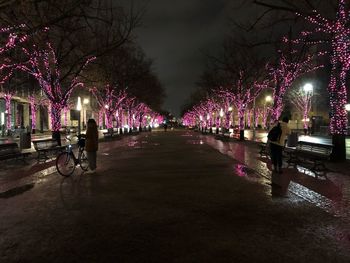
[
  {"x": 308, "y": 90},
  {"x": 85, "y": 103},
  {"x": 347, "y": 107},
  {"x": 221, "y": 115},
  {"x": 268, "y": 98},
  {"x": 79, "y": 107}
]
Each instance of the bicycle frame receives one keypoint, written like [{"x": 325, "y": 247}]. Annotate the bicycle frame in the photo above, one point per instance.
[{"x": 71, "y": 153}]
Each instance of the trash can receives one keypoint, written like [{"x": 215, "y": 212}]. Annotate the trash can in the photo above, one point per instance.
[
  {"x": 25, "y": 140},
  {"x": 292, "y": 139}
]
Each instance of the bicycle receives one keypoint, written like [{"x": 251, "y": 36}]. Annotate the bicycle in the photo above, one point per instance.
[{"x": 67, "y": 161}]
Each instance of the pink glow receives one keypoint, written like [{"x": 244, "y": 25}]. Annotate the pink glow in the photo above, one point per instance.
[
  {"x": 109, "y": 102},
  {"x": 302, "y": 101},
  {"x": 284, "y": 73},
  {"x": 338, "y": 29},
  {"x": 42, "y": 65},
  {"x": 7, "y": 97}
]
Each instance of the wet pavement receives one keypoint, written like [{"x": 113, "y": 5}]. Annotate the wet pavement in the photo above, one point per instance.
[{"x": 173, "y": 197}]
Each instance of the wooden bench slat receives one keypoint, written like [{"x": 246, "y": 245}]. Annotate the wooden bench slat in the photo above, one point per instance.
[
  {"x": 43, "y": 147},
  {"x": 314, "y": 152}
]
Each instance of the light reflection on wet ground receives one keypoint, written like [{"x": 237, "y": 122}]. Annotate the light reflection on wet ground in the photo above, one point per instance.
[
  {"x": 35, "y": 178},
  {"x": 330, "y": 193},
  {"x": 195, "y": 142}
]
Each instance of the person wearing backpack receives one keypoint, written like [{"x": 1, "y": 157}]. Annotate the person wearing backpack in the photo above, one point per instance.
[{"x": 277, "y": 137}]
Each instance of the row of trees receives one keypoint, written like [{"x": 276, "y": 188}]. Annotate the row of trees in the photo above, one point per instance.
[
  {"x": 56, "y": 49},
  {"x": 243, "y": 73}
]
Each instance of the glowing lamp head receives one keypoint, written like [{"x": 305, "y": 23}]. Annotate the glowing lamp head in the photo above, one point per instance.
[
  {"x": 106, "y": 107},
  {"x": 221, "y": 112},
  {"x": 347, "y": 107},
  {"x": 86, "y": 101},
  {"x": 230, "y": 109},
  {"x": 208, "y": 116},
  {"x": 79, "y": 104},
  {"x": 200, "y": 117},
  {"x": 268, "y": 98},
  {"x": 308, "y": 87}
]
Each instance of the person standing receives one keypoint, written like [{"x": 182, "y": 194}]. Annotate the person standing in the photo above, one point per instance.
[
  {"x": 276, "y": 147},
  {"x": 91, "y": 144}
]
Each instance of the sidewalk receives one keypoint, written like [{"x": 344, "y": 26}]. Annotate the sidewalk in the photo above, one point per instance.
[
  {"x": 171, "y": 197},
  {"x": 15, "y": 173},
  {"x": 331, "y": 193}
]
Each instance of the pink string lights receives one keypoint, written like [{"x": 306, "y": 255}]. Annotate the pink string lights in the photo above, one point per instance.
[
  {"x": 338, "y": 30},
  {"x": 109, "y": 102},
  {"x": 283, "y": 74},
  {"x": 42, "y": 65}
]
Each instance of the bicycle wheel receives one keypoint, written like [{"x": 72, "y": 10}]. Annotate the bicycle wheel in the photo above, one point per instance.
[
  {"x": 65, "y": 164},
  {"x": 84, "y": 163}
]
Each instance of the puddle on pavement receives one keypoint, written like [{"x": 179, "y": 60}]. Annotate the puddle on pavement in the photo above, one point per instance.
[
  {"x": 243, "y": 171},
  {"x": 17, "y": 191},
  {"x": 24, "y": 183}
]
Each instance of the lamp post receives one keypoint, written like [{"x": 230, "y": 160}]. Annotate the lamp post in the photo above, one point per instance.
[
  {"x": 221, "y": 115},
  {"x": 268, "y": 99},
  {"x": 254, "y": 131},
  {"x": 79, "y": 107},
  {"x": 85, "y": 103},
  {"x": 308, "y": 90}
]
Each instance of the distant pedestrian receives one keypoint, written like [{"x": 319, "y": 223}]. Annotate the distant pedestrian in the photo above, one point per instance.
[
  {"x": 91, "y": 145},
  {"x": 309, "y": 128},
  {"x": 276, "y": 147}
]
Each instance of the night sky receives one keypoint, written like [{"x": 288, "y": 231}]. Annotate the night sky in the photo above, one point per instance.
[{"x": 175, "y": 34}]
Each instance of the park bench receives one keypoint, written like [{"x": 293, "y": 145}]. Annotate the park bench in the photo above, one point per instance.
[
  {"x": 47, "y": 147},
  {"x": 109, "y": 133},
  {"x": 309, "y": 152},
  {"x": 223, "y": 136},
  {"x": 10, "y": 151}
]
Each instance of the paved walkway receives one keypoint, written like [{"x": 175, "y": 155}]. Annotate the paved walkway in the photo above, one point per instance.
[{"x": 167, "y": 197}]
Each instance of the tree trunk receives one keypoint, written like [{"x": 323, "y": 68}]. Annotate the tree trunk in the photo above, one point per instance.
[
  {"x": 339, "y": 150},
  {"x": 56, "y": 109},
  {"x": 57, "y": 136}
]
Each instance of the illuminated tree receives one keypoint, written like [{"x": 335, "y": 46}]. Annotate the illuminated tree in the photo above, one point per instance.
[
  {"x": 109, "y": 101},
  {"x": 43, "y": 66},
  {"x": 302, "y": 101},
  {"x": 7, "y": 96},
  {"x": 334, "y": 29},
  {"x": 243, "y": 93},
  {"x": 286, "y": 70},
  {"x": 35, "y": 102}
]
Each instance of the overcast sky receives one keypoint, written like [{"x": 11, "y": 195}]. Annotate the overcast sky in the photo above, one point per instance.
[{"x": 174, "y": 34}]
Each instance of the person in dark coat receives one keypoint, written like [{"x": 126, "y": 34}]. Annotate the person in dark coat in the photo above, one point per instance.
[
  {"x": 91, "y": 144},
  {"x": 276, "y": 147}
]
